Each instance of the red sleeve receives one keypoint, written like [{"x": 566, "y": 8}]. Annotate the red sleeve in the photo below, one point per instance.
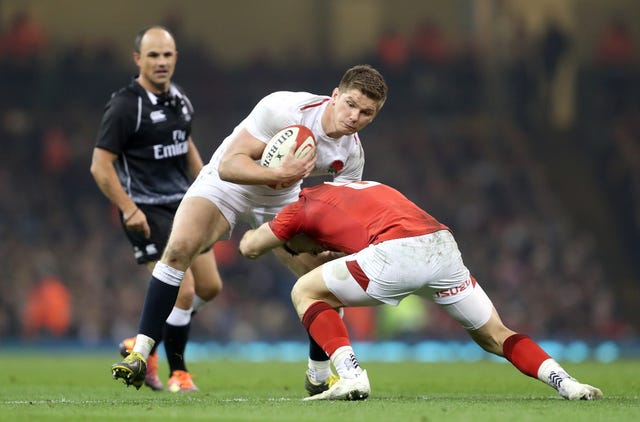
[{"x": 288, "y": 221}]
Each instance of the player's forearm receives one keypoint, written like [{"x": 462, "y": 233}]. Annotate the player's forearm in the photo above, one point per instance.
[
  {"x": 241, "y": 169},
  {"x": 119, "y": 198},
  {"x": 105, "y": 176},
  {"x": 110, "y": 187},
  {"x": 257, "y": 242}
]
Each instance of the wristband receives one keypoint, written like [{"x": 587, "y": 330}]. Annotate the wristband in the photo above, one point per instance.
[{"x": 132, "y": 214}]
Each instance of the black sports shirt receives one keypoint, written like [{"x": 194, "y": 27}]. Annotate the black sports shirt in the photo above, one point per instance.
[{"x": 150, "y": 134}]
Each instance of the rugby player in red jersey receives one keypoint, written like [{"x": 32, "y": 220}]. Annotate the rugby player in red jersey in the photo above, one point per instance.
[{"x": 392, "y": 249}]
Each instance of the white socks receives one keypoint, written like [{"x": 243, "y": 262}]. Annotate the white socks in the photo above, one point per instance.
[
  {"x": 143, "y": 345},
  {"x": 345, "y": 362},
  {"x": 179, "y": 317},
  {"x": 319, "y": 370},
  {"x": 551, "y": 373},
  {"x": 197, "y": 303},
  {"x": 343, "y": 359}
]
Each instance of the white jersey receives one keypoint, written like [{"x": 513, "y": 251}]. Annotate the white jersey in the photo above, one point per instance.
[{"x": 342, "y": 158}]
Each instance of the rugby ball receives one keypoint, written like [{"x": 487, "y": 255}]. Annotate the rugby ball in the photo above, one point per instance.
[{"x": 298, "y": 137}]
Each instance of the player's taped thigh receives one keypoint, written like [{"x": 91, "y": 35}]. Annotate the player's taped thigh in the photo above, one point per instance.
[{"x": 473, "y": 311}]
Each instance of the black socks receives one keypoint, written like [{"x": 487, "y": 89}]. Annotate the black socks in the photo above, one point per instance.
[
  {"x": 175, "y": 341},
  {"x": 157, "y": 306}
]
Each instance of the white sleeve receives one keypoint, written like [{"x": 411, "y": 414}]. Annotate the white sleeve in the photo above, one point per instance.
[{"x": 271, "y": 114}]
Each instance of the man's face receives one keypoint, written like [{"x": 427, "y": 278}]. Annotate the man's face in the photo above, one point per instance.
[
  {"x": 353, "y": 111},
  {"x": 156, "y": 60}
]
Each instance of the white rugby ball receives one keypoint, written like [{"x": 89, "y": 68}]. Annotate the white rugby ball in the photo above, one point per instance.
[{"x": 297, "y": 136}]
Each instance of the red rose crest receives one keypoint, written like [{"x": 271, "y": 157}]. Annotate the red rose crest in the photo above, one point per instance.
[{"x": 335, "y": 167}]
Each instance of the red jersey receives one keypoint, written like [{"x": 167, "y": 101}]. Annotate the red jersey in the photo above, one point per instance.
[{"x": 349, "y": 217}]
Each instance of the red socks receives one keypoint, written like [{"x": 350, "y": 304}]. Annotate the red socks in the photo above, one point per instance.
[
  {"x": 524, "y": 354},
  {"x": 326, "y": 327}
]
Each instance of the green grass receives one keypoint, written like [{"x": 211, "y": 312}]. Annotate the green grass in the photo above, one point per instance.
[{"x": 57, "y": 387}]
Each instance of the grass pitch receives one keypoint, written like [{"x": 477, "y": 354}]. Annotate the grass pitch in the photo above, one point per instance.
[{"x": 78, "y": 387}]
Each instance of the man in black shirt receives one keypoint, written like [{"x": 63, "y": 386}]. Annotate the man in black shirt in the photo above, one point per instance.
[{"x": 144, "y": 162}]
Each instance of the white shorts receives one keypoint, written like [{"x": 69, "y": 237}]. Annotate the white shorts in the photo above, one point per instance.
[
  {"x": 429, "y": 266},
  {"x": 250, "y": 204}
]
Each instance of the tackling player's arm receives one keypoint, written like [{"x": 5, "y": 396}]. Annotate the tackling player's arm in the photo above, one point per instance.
[
  {"x": 255, "y": 243},
  {"x": 104, "y": 173},
  {"x": 259, "y": 241},
  {"x": 238, "y": 164}
]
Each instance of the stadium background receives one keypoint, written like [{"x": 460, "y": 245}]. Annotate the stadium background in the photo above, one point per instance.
[{"x": 514, "y": 122}]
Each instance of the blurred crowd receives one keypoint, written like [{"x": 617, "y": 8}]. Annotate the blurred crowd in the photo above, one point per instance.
[{"x": 471, "y": 141}]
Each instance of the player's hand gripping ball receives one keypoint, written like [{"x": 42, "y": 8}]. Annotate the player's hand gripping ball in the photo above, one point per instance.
[{"x": 298, "y": 137}]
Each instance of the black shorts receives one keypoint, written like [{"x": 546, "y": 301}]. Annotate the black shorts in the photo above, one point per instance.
[{"x": 160, "y": 219}]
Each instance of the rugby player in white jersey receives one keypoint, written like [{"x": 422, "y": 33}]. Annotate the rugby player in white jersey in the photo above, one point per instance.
[{"x": 234, "y": 187}]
